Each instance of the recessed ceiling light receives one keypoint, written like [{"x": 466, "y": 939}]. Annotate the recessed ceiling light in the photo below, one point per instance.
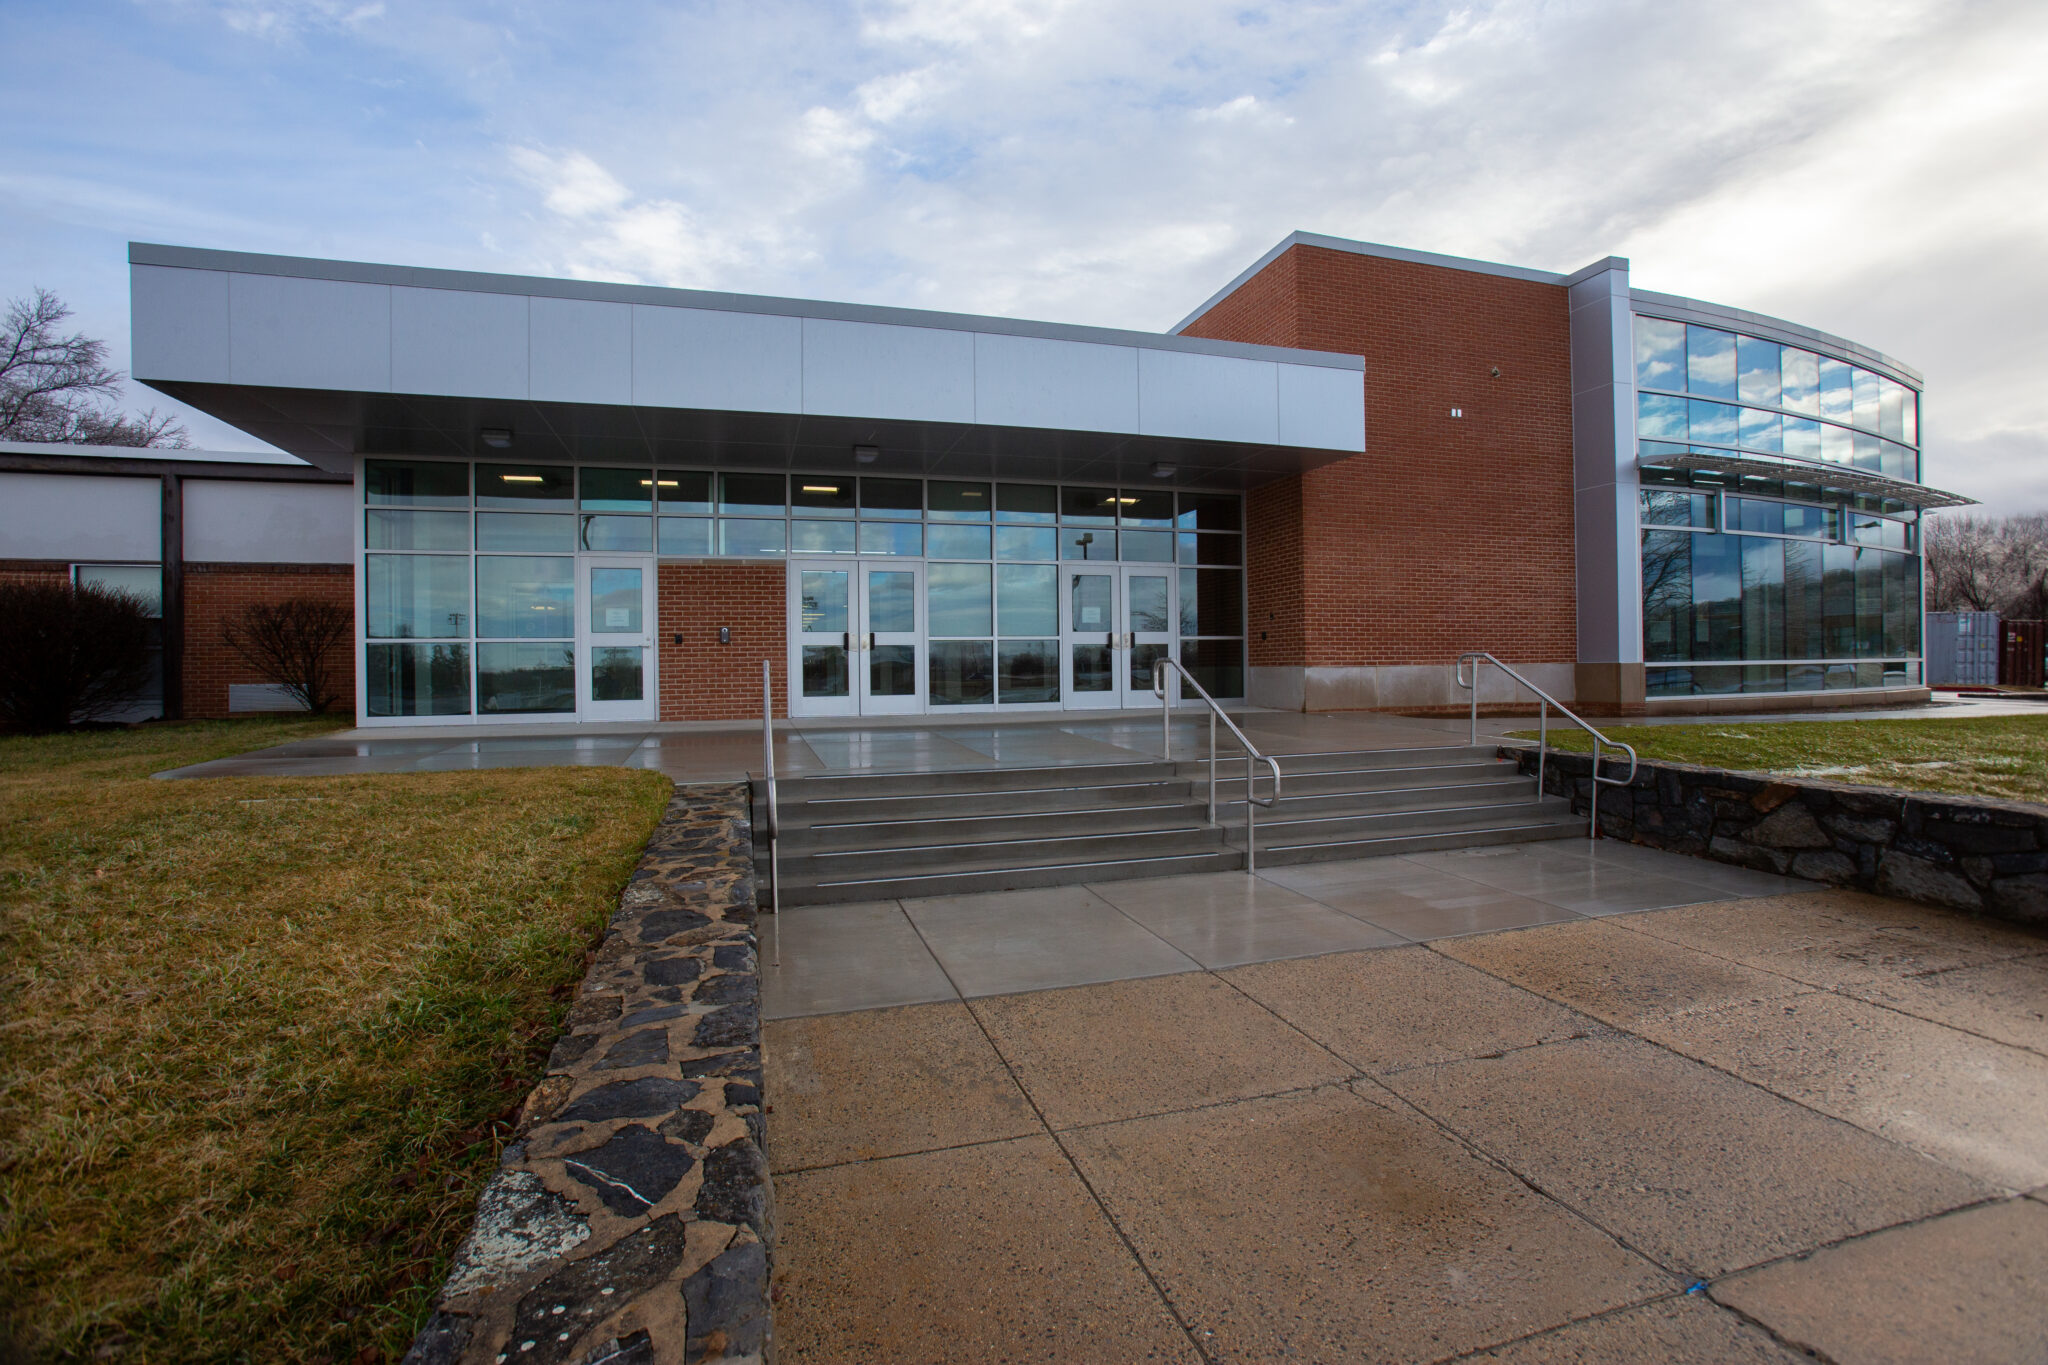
[
  {"x": 520, "y": 478},
  {"x": 821, "y": 488}
]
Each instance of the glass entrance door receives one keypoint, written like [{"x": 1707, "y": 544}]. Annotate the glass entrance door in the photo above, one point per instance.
[
  {"x": 1090, "y": 630},
  {"x": 891, "y": 648},
  {"x": 1148, "y": 632},
  {"x": 821, "y": 649},
  {"x": 857, "y": 643},
  {"x": 615, "y": 639},
  {"x": 1116, "y": 620}
]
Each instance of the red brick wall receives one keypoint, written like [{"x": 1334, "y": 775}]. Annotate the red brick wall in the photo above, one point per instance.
[
  {"x": 1448, "y": 534},
  {"x": 215, "y": 593},
  {"x": 53, "y": 571},
  {"x": 702, "y": 679}
]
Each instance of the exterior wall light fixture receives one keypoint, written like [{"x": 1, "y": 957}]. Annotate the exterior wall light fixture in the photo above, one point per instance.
[
  {"x": 497, "y": 438},
  {"x": 866, "y": 454},
  {"x": 1163, "y": 470}
]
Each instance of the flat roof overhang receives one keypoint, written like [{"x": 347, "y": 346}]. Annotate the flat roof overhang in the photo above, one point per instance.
[
  {"x": 1842, "y": 478},
  {"x": 330, "y": 360}
]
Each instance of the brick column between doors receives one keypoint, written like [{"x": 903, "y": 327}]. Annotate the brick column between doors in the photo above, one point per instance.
[{"x": 702, "y": 679}]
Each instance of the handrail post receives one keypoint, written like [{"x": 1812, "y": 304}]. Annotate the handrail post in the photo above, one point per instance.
[
  {"x": 1212, "y": 768},
  {"x": 1163, "y": 685},
  {"x": 1475, "y": 700},
  {"x": 768, "y": 803},
  {"x": 1251, "y": 828},
  {"x": 1542, "y": 745},
  {"x": 1593, "y": 803}
]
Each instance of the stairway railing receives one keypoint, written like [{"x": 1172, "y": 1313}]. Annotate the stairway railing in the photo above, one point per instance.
[
  {"x": 1251, "y": 753},
  {"x": 768, "y": 800},
  {"x": 1470, "y": 682}
]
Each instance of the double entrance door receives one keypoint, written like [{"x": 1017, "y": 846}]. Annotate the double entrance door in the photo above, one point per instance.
[
  {"x": 1116, "y": 621},
  {"x": 857, "y": 637},
  {"x": 859, "y": 640}
]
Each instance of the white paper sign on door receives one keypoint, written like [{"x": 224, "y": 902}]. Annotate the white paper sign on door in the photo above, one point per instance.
[
  {"x": 1091, "y": 616},
  {"x": 617, "y": 618}
]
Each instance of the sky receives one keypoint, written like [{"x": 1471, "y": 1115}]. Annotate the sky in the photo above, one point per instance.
[{"x": 1877, "y": 169}]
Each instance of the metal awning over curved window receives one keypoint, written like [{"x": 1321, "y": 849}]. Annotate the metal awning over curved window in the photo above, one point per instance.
[{"x": 1846, "y": 478}]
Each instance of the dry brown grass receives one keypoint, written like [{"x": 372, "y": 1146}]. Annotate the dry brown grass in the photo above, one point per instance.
[
  {"x": 2003, "y": 756},
  {"x": 256, "y": 1032}
]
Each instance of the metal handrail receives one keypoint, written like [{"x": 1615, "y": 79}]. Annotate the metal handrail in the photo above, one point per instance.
[
  {"x": 1251, "y": 753},
  {"x": 1547, "y": 701},
  {"x": 774, "y": 816}
]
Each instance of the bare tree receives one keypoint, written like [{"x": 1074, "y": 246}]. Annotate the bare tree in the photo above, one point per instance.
[
  {"x": 55, "y": 387},
  {"x": 293, "y": 643},
  {"x": 1977, "y": 563}
]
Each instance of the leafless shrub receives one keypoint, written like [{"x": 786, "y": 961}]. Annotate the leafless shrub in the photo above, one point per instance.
[
  {"x": 293, "y": 644},
  {"x": 69, "y": 653}
]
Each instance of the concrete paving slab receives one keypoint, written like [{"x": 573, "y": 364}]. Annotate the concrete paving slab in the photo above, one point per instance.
[
  {"x": 1575, "y": 882},
  {"x": 992, "y": 1253},
  {"x": 1423, "y": 919},
  {"x": 1979, "y": 1106},
  {"x": 1688, "y": 1330},
  {"x": 1617, "y": 975},
  {"x": 998, "y": 942},
  {"x": 1405, "y": 1007},
  {"x": 1326, "y": 1226},
  {"x": 1693, "y": 1168},
  {"x": 1963, "y": 1290},
  {"x": 1724, "y": 878},
  {"x": 1822, "y": 938},
  {"x": 855, "y": 1087},
  {"x": 2006, "y": 1001},
  {"x": 846, "y": 957},
  {"x": 1097, "y": 1053},
  {"x": 1222, "y": 919}
]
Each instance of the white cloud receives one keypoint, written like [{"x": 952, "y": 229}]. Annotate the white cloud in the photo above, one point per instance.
[{"x": 1870, "y": 167}]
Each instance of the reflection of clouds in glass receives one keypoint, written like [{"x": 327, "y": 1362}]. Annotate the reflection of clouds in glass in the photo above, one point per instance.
[
  {"x": 1759, "y": 369},
  {"x": 1837, "y": 446},
  {"x": 1837, "y": 391},
  {"x": 1761, "y": 430},
  {"x": 1802, "y": 438},
  {"x": 1660, "y": 419},
  {"x": 1712, "y": 422},
  {"x": 1868, "y": 402},
  {"x": 1801, "y": 373},
  {"x": 1660, "y": 354},
  {"x": 1710, "y": 362}
]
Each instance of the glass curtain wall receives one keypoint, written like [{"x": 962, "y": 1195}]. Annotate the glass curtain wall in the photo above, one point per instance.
[
  {"x": 469, "y": 571},
  {"x": 1762, "y": 585},
  {"x": 1708, "y": 387}
]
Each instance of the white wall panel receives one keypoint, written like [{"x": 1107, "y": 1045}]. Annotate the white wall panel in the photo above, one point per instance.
[
  {"x": 178, "y": 324},
  {"x": 867, "y": 369},
  {"x": 1322, "y": 408},
  {"x": 1207, "y": 397},
  {"x": 1066, "y": 385},
  {"x": 582, "y": 351},
  {"x": 80, "y": 517},
  {"x": 701, "y": 358},
  {"x": 453, "y": 341},
  {"x": 309, "y": 334},
  {"x": 269, "y": 523}
]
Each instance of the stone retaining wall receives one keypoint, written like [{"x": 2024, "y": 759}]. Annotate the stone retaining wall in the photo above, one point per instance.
[
  {"x": 632, "y": 1218},
  {"x": 1965, "y": 853}
]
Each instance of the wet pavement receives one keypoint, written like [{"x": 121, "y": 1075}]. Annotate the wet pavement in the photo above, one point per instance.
[{"x": 1741, "y": 1129}]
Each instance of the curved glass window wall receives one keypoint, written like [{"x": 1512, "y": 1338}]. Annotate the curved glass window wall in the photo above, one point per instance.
[
  {"x": 1757, "y": 586},
  {"x": 1710, "y": 387}
]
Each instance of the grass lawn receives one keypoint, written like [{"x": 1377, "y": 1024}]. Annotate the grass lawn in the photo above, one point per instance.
[
  {"x": 259, "y": 1037},
  {"x": 1990, "y": 756}
]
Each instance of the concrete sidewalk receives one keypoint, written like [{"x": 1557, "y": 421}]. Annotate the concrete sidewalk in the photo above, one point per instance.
[{"x": 1733, "y": 1131}]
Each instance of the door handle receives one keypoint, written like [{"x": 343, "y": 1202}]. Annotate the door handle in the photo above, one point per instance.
[
  {"x": 846, "y": 641},
  {"x": 871, "y": 641}
]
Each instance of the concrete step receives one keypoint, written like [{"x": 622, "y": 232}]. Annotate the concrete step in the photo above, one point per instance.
[
  {"x": 1342, "y": 760},
  {"x": 1527, "y": 828},
  {"x": 967, "y": 880},
  {"x": 861, "y": 784},
  {"x": 1071, "y": 849},
  {"x": 1230, "y": 778},
  {"x": 845, "y": 809},
  {"x": 937, "y": 825},
  {"x": 1348, "y": 828}
]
